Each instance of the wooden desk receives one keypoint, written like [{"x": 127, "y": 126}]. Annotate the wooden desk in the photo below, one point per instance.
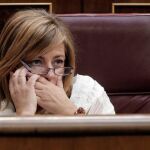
[{"x": 75, "y": 133}]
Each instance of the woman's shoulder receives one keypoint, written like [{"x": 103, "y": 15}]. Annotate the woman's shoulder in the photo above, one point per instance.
[
  {"x": 85, "y": 80},
  {"x": 79, "y": 77},
  {"x": 86, "y": 91},
  {"x": 90, "y": 95},
  {"x": 85, "y": 84}
]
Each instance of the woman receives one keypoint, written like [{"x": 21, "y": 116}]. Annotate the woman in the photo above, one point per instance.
[{"x": 37, "y": 70}]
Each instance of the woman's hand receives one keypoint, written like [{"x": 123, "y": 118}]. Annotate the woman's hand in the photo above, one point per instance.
[
  {"x": 53, "y": 98},
  {"x": 23, "y": 92}
]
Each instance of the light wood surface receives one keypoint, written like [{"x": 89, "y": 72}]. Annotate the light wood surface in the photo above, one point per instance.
[
  {"x": 101, "y": 124},
  {"x": 120, "y": 132}
]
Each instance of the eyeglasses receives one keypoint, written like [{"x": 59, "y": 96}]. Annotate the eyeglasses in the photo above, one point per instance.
[{"x": 40, "y": 70}]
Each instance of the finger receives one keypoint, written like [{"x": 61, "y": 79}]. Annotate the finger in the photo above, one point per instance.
[
  {"x": 22, "y": 76},
  {"x": 29, "y": 74},
  {"x": 14, "y": 78},
  {"x": 59, "y": 82},
  {"x": 39, "y": 85},
  {"x": 53, "y": 80},
  {"x": 11, "y": 86},
  {"x": 43, "y": 80},
  {"x": 38, "y": 93},
  {"x": 32, "y": 80},
  {"x": 38, "y": 98},
  {"x": 42, "y": 103}
]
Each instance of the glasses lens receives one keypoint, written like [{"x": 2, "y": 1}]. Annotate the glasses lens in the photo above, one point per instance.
[
  {"x": 63, "y": 71},
  {"x": 39, "y": 70}
]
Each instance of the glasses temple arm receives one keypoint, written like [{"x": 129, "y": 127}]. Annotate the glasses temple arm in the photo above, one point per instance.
[{"x": 26, "y": 66}]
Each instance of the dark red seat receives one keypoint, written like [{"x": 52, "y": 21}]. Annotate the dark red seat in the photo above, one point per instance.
[{"x": 115, "y": 50}]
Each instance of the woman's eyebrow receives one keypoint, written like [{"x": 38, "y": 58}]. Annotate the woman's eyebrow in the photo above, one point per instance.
[
  {"x": 40, "y": 57},
  {"x": 58, "y": 56},
  {"x": 55, "y": 57}
]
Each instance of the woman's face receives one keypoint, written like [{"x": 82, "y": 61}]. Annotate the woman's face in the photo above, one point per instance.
[{"x": 54, "y": 58}]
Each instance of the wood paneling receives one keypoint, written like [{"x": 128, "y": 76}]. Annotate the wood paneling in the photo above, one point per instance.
[
  {"x": 122, "y": 132},
  {"x": 131, "y": 1},
  {"x": 131, "y": 8},
  {"x": 97, "y": 6},
  {"x": 7, "y": 10},
  {"x": 59, "y": 6},
  {"x": 79, "y": 6},
  {"x": 66, "y": 6},
  {"x": 103, "y": 142}
]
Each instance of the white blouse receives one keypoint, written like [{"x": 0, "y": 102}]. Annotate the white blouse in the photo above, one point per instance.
[
  {"x": 86, "y": 93},
  {"x": 90, "y": 95}
]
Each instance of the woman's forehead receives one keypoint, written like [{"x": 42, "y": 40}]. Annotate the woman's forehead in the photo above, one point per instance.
[{"x": 56, "y": 51}]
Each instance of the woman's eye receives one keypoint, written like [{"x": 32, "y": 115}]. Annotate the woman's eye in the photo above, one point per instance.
[
  {"x": 59, "y": 62},
  {"x": 36, "y": 62}
]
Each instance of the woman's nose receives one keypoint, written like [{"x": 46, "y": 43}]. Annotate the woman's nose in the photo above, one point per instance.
[
  {"x": 51, "y": 72},
  {"x": 52, "y": 77}
]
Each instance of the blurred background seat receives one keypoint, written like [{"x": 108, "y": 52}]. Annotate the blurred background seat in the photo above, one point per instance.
[{"x": 115, "y": 50}]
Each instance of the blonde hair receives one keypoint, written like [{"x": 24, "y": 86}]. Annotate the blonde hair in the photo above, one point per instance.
[{"x": 29, "y": 33}]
